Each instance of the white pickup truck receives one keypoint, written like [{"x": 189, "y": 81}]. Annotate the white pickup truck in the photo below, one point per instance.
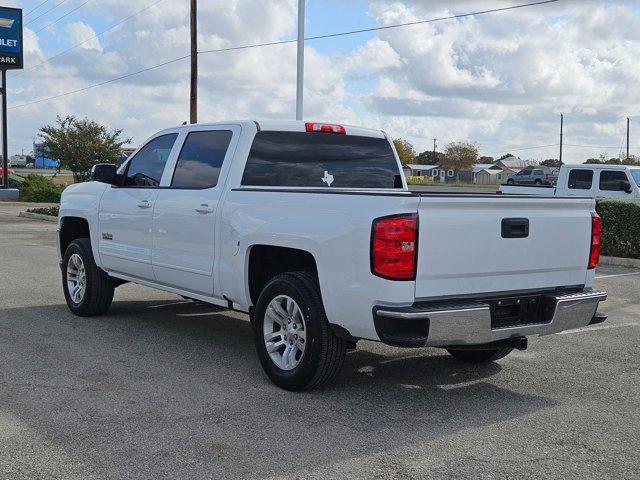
[
  {"x": 311, "y": 230},
  {"x": 588, "y": 180}
]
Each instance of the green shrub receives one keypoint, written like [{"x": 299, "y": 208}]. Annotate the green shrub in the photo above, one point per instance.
[
  {"x": 51, "y": 211},
  {"x": 35, "y": 188},
  {"x": 621, "y": 227}
]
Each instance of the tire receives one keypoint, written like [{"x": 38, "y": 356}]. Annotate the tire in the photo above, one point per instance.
[
  {"x": 538, "y": 182},
  {"x": 98, "y": 288},
  {"x": 314, "y": 362},
  {"x": 510, "y": 181},
  {"x": 479, "y": 356}
]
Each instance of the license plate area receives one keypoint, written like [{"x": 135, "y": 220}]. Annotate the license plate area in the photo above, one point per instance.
[{"x": 520, "y": 310}]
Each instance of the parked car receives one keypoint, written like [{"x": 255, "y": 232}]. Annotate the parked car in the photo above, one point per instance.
[
  {"x": 311, "y": 230},
  {"x": 9, "y": 171},
  {"x": 18, "y": 161},
  {"x": 533, "y": 176},
  {"x": 587, "y": 180}
]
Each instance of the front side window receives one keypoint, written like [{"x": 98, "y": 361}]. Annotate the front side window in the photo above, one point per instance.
[
  {"x": 613, "y": 180},
  {"x": 146, "y": 167},
  {"x": 302, "y": 159},
  {"x": 580, "y": 179},
  {"x": 201, "y": 158}
]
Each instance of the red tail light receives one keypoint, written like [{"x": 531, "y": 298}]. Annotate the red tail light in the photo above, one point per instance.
[
  {"x": 596, "y": 233},
  {"x": 324, "y": 128},
  {"x": 394, "y": 244}
]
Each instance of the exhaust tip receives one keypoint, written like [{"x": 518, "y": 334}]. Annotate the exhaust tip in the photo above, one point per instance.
[{"x": 520, "y": 343}]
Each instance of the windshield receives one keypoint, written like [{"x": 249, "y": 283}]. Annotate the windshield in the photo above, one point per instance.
[{"x": 635, "y": 173}]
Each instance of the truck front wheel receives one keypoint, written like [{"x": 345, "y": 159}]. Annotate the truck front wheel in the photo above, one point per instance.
[
  {"x": 87, "y": 289},
  {"x": 296, "y": 345},
  {"x": 479, "y": 356}
]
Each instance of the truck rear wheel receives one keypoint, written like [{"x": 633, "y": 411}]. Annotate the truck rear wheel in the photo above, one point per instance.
[
  {"x": 296, "y": 346},
  {"x": 87, "y": 289},
  {"x": 479, "y": 356}
]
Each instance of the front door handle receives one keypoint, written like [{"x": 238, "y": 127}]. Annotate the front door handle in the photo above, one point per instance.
[
  {"x": 144, "y": 204},
  {"x": 204, "y": 209}
]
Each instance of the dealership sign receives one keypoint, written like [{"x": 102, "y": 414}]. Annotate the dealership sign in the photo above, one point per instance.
[{"x": 10, "y": 38}]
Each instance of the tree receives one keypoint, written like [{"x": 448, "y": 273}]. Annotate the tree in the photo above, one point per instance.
[
  {"x": 405, "y": 150},
  {"x": 429, "y": 158},
  {"x": 80, "y": 144},
  {"x": 460, "y": 156},
  {"x": 485, "y": 159},
  {"x": 551, "y": 163},
  {"x": 506, "y": 155}
]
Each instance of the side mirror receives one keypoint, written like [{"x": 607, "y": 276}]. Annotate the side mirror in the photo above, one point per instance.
[
  {"x": 103, "y": 172},
  {"x": 626, "y": 186}
]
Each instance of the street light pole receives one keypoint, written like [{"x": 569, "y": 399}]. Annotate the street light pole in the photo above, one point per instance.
[{"x": 300, "y": 67}]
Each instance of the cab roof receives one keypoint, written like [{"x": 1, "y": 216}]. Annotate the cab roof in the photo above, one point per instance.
[{"x": 291, "y": 126}]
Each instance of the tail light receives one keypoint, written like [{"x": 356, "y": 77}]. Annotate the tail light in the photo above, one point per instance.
[
  {"x": 596, "y": 233},
  {"x": 394, "y": 243},
  {"x": 324, "y": 128}
]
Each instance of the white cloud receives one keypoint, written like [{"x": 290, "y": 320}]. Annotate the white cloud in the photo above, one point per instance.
[{"x": 82, "y": 34}]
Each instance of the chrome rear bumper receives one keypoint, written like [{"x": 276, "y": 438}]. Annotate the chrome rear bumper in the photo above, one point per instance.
[{"x": 469, "y": 323}]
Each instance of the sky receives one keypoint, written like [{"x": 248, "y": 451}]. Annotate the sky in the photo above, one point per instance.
[{"x": 498, "y": 79}]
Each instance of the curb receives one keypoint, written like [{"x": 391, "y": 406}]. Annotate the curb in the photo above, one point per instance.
[
  {"x": 38, "y": 216},
  {"x": 620, "y": 262}
]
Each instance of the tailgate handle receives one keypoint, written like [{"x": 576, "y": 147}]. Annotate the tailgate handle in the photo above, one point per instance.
[{"x": 515, "y": 227}]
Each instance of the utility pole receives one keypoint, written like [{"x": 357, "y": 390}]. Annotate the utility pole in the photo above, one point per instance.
[
  {"x": 561, "y": 125},
  {"x": 434, "y": 148},
  {"x": 300, "y": 66},
  {"x": 193, "y": 101},
  {"x": 627, "y": 138}
]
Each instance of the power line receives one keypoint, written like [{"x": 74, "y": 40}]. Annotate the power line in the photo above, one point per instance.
[
  {"x": 63, "y": 16},
  {"x": 593, "y": 146},
  {"x": 386, "y": 27},
  {"x": 44, "y": 13},
  {"x": 36, "y": 7},
  {"x": 419, "y": 22},
  {"x": 91, "y": 38},
  {"x": 522, "y": 148},
  {"x": 279, "y": 42},
  {"x": 95, "y": 85}
]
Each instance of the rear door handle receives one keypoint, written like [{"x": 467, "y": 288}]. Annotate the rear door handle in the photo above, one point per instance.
[
  {"x": 144, "y": 204},
  {"x": 204, "y": 209}
]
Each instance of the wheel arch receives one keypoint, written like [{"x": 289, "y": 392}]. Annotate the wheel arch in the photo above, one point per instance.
[
  {"x": 266, "y": 261},
  {"x": 72, "y": 228}
]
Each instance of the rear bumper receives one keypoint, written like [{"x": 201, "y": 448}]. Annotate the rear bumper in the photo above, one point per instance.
[{"x": 470, "y": 323}]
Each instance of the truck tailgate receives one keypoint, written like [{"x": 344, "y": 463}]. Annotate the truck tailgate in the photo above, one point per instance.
[{"x": 462, "y": 249}]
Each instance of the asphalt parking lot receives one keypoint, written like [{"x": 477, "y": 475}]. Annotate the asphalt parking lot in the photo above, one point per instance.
[{"x": 164, "y": 388}]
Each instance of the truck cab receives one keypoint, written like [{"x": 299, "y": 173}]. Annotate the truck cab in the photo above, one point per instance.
[{"x": 600, "y": 181}]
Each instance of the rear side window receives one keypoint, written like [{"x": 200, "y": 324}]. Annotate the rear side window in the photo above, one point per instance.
[
  {"x": 200, "y": 159},
  {"x": 613, "y": 180},
  {"x": 146, "y": 167},
  {"x": 580, "y": 179},
  {"x": 301, "y": 159}
]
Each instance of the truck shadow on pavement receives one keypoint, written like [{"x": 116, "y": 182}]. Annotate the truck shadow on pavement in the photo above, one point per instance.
[{"x": 175, "y": 389}]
